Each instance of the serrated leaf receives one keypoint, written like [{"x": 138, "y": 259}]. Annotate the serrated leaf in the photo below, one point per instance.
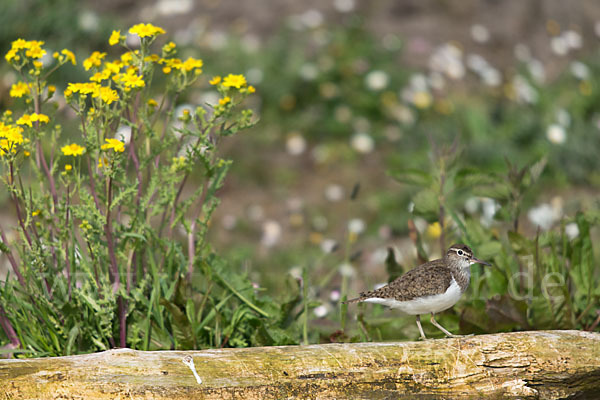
[
  {"x": 412, "y": 176},
  {"x": 472, "y": 177},
  {"x": 498, "y": 191}
]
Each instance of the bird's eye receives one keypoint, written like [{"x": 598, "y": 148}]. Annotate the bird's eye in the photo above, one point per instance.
[{"x": 460, "y": 252}]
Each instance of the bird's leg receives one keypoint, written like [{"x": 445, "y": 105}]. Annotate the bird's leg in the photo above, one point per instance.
[
  {"x": 441, "y": 328},
  {"x": 421, "y": 328}
]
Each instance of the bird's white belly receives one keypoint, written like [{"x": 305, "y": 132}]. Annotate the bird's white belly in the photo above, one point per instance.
[{"x": 424, "y": 305}]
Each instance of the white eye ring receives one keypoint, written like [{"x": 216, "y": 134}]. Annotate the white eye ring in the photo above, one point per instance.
[{"x": 460, "y": 252}]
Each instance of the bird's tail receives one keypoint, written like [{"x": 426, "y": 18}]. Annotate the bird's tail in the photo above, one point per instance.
[{"x": 351, "y": 301}]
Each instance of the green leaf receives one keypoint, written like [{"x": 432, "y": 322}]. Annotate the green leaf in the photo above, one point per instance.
[
  {"x": 473, "y": 177},
  {"x": 73, "y": 333},
  {"x": 412, "y": 176},
  {"x": 426, "y": 202}
]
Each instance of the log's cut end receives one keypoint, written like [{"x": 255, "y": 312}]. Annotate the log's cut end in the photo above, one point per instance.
[{"x": 540, "y": 364}]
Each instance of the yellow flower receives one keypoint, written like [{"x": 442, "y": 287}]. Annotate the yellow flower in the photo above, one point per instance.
[
  {"x": 28, "y": 119},
  {"x": 115, "y": 38},
  {"x": 70, "y": 56},
  {"x": 166, "y": 70},
  {"x": 20, "y": 44},
  {"x": 83, "y": 88},
  {"x": 146, "y": 30},
  {"x": 26, "y": 153},
  {"x": 35, "y": 213},
  {"x": 112, "y": 67},
  {"x": 132, "y": 80},
  {"x": 152, "y": 103},
  {"x": 95, "y": 60},
  {"x": 19, "y": 89},
  {"x": 422, "y": 99},
  {"x": 100, "y": 76},
  {"x": 192, "y": 63},
  {"x": 168, "y": 48},
  {"x": 108, "y": 95},
  {"x": 127, "y": 58},
  {"x": 114, "y": 144},
  {"x": 236, "y": 81},
  {"x": 215, "y": 80},
  {"x": 434, "y": 230},
  {"x": 72, "y": 150},
  {"x": 12, "y": 136},
  {"x": 25, "y": 120},
  {"x": 224, "y": 100},
  {"x": 12, "y": 55},
  {"x": 34, "y": 49},
  {"x": 51, "y": 89},
  {"x": 102, "y": 161},
  {"x": 68, "y": 167},
  {"x": 251, "y": 89}
]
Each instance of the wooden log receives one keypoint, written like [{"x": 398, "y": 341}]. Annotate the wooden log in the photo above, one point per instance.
[{"x": 541, "y": 364}]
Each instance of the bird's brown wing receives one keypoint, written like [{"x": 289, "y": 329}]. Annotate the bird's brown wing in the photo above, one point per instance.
[{"x": 425, "y": 280}]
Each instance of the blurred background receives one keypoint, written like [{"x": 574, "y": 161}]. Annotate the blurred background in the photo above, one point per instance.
[{"x": 361, "y": 105}]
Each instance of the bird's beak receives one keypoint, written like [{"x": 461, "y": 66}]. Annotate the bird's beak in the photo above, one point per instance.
[{"x": 478, "y": 261}]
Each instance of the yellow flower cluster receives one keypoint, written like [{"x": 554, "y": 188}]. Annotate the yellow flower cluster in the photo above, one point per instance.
[
  {"x": 19, "y": 89},
  {"x": 233, "y": 81},
  {"x": 72, "y": 150},
  {"x": 64, "y": 56},
  {"x": 105, "y": 93},
  {"x": 114, "y": 144},
  {"x": 95, "y": 60},
  {"x": 10, "y": 136},
  {"x": 191, "y": 64},
  {"x": 146, "y": 30},
  {"x": 29, "y": 119},
  {"x": 31, "y": 49}
]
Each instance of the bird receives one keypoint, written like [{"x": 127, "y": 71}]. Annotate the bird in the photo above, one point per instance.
[{"x": 430, "y": 288}]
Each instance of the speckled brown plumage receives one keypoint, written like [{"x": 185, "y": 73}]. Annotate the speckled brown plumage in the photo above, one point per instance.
[{"x": 427, "y": 279}]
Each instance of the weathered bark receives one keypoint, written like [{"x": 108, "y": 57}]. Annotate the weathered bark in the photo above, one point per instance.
[{"x": 543, "y": 364}]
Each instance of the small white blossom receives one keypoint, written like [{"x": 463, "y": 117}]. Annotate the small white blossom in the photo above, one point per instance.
[
  {"x": 173, "y": 7},
  {"x": 334, "y": 193},
  {"x": 309, "y": 71},
  {"x": 344, "y": 5},
  {"x": 556, "y": 134},
  {"x": 311, "y": 18},
  {"x": 321, "y": 311},
  {"x": 346, "y": 270},
  {"x": 573, "y": 39},
  {"x": 271, "y": 233},
  {"x": 559, "y": 45},
  {"x": 480, "y": 33},
  {"x": 295, "y": 144},
  {"x": 356, "y": 226},
  {"x": 363, "y": 143},
  {"x": 572, "y": 230},
  {"x": 580, "y": 70},
  {"x": 328, "y": 246},
  {"x": 377, "y": 80}
]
